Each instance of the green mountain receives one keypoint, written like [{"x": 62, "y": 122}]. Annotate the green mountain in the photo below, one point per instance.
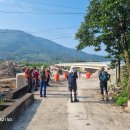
[{"x": 21, "y": 46}]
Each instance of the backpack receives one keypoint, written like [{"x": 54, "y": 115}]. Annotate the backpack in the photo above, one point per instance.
[
  {"x": 72, "y": 79},
  {"x": 27, "y": 75},
  {"x": 42, "y": 75},
  {"x": 104, "y": 76}
]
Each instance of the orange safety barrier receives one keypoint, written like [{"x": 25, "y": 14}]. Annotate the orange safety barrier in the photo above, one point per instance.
[
  {"x": 56, "y": 77},
  {"x": 87, "y": 76},
  {"x": 65, "y": 75},
  {"x": 85, "y": 72}
]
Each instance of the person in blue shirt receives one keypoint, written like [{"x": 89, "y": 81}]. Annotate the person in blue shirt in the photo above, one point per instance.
[
  {"x": 103, "y": 77},
  {"x": 72, "y": 84},
  {"x": 43, "y": 80}
]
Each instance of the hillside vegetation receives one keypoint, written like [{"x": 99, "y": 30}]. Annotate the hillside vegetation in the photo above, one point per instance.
[{"x": 21, "y": 46}]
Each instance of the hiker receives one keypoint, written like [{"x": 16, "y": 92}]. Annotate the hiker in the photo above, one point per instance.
[
  {"x": 43, "y": 81},
  {"x": 28, "y": 75},
  {"x": 35, "y": 79},
  {"x": 72, "y": 76},
  {"x": 104, "y": 77},
  {"x": 48, "y": 73}
]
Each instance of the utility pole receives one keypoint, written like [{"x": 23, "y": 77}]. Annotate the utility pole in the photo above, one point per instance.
[
  {"x": 119, "y": 73},
  {"x": 116, "y": 65}
]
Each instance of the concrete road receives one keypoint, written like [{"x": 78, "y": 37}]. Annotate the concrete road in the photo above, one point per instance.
[{"x": 55, "y": 112}]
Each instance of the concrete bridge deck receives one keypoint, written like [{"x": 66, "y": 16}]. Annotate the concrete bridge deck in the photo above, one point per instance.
[{"x": 91, "y": 65}]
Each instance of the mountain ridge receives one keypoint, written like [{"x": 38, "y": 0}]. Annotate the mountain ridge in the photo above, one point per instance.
[{"x": 21, "y": 46}]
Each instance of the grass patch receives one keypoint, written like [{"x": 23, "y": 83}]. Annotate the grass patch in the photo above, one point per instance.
[
  {"x": 121, "y": 101},
  {"x": 122, "y": 98}
]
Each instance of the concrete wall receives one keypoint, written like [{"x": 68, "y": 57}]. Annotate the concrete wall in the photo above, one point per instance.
[
  {"x": 11, "y": 113},
  {"x": 21, "y": 80},
  {"x": 17, "y": 93}
]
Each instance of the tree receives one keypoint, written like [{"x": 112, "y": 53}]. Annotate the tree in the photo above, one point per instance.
[{"x": 108, "y": 22}]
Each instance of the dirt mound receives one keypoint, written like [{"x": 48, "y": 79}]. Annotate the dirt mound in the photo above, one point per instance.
[
  {"x": 7, "y": 85},
  {"x": 8, "y": 70}
]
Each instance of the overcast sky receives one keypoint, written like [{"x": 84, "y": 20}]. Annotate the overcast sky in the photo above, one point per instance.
[{"x": 56, "y": 20}]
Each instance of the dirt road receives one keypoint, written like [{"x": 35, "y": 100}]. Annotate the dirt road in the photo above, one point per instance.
[{"x": 55, "y": 112}]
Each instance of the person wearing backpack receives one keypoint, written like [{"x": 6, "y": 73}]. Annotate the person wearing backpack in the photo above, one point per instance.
[
  {"x": 104, "y": 77},
  {"x": 48, "y": 73},
  {"x": 43, "y": 81},
  {"x": 28, "y": 75},
  {"x": 72, "y": 84}
]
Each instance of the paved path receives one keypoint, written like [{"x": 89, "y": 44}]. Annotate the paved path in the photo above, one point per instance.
[
  {"x": 55, "y": 112},
  {"x": 48, "y": 113}
]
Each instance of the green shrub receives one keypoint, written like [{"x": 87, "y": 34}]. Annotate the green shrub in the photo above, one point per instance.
[
  {"x": 123, "y": 96},
  {"x": 121, "y": 100},
  {"x": 114, "y": 96}
]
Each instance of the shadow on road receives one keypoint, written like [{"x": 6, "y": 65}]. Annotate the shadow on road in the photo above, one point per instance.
[
  {"x": 56, "y": 95},
  {"x": 99, "y": 102},
  {"x": 84, "y": 97}
]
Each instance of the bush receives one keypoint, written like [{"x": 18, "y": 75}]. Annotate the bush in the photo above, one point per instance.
[
  {"x": 123, "y": 96},
  {"x": 121, "y": 101}
]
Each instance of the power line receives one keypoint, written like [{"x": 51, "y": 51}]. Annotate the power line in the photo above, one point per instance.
[
  {"x": 53, "y": 29},
  {"x": 37, "y": 9},
  {"x": 50, "y": 29},
  {"x": 58, "y": 36},
  {"x": 26, "y": 7},
  {"x": 53, "y": 35},
  {"x": 50, "y": 36},
  {"x": 48, "y": 4},
  {"x": 62, "y": 37},
  {"x": 18, "y": 12}
]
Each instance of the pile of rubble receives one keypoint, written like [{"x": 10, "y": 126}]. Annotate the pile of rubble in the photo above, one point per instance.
[
  {"x": 8, "y": 70},
  {"x": 7, "y": 85}
]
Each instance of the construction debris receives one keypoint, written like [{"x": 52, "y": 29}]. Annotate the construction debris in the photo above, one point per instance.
[{"x": 8, "y": 70}]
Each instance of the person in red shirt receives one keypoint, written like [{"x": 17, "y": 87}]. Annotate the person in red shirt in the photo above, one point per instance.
[
  {"x": 35, "y": 78},
  {"x": 28, "y": 75}
]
